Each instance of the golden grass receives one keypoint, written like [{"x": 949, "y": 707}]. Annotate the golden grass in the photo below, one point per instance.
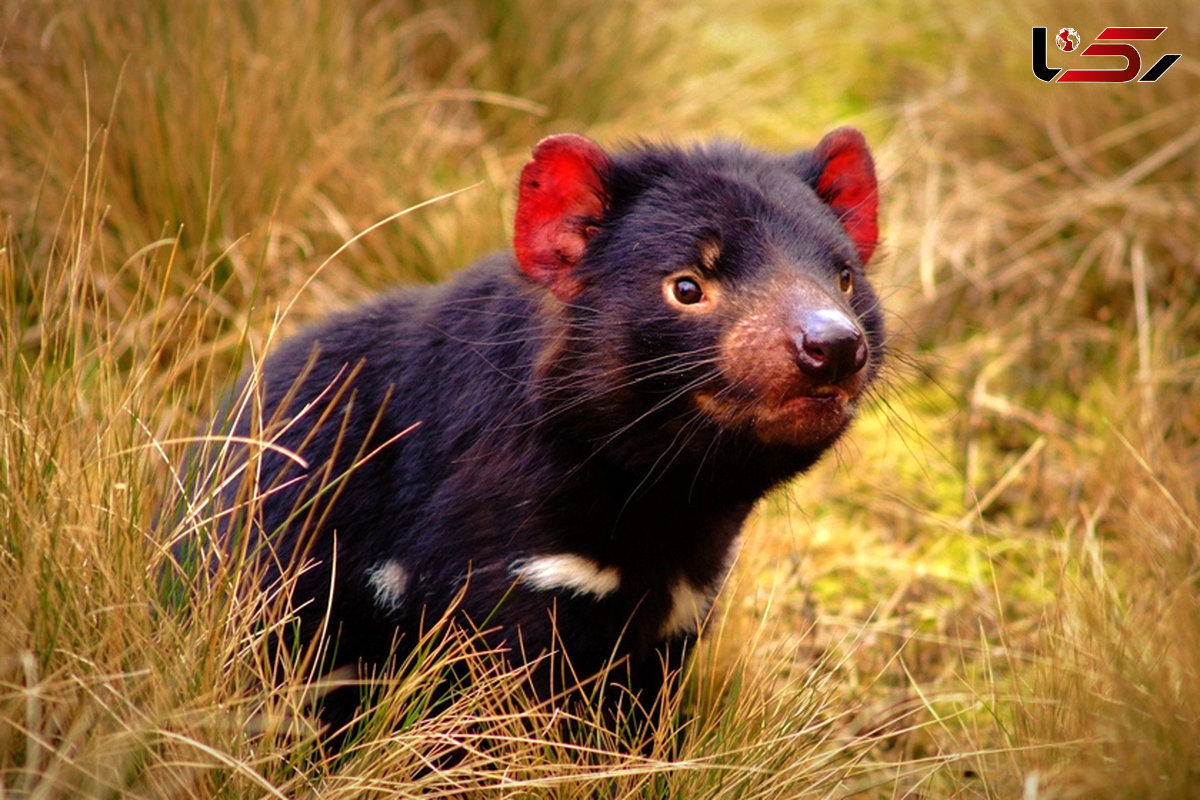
[{"x": 990, "y": 590}]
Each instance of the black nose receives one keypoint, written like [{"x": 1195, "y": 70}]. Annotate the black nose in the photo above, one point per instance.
[{"x": 829, "y": 346}]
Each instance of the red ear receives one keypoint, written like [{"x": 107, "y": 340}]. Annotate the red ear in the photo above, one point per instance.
[
  {"x": 562, "y": 187},
  {"x": 845, "y": 181}
]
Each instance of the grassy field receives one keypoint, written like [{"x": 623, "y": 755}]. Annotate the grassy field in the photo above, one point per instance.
[{"x": 992, "y": 589}]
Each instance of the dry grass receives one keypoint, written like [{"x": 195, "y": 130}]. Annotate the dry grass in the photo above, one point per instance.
[{"x": 989, "y": 591}]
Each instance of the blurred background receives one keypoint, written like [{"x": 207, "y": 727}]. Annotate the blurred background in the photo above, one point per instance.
[{"x": 992, "y": 589}]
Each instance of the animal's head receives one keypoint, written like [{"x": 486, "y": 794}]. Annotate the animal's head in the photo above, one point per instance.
[{"x": 717, "y": 285}]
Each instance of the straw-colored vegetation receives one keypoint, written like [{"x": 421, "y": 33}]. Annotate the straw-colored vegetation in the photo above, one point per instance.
[{"x": 990, "y": 590}]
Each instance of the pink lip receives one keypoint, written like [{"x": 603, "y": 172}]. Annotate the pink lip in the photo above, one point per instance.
[
  {"x": 824, "y": 396},
  {"x": 807, "y": 419},
  {"x": 804, "y": 419}
]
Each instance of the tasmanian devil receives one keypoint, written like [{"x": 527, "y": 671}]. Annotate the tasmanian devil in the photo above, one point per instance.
[{"x": 563, "y": 442}]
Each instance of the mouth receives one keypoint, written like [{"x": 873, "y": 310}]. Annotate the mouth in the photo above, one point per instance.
[
  {"x": 818, "y": 395},
  {"x": 806, "y": 419},
  {"x": 809, "y": 419}
]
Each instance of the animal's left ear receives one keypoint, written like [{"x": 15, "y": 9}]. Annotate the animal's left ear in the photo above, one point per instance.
[
  {"x": 842, "y": 173},
  {"x": 562, "y": 191}
]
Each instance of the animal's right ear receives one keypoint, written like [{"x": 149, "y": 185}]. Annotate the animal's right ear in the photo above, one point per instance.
[{"x": 562, "y": 195}]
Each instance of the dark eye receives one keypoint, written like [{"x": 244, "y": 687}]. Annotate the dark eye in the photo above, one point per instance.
[
  {"x": 687, "y": 291},
  {"x": 846, "y": 280}
]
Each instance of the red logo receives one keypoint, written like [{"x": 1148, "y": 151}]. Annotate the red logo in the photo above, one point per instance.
[{"x": 1068, "y": 41}]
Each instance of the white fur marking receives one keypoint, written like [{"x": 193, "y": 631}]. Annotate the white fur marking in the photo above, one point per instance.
[
  {"x": 567, "y": 571},
  {"x": 389, "y": 580},
  {"x": 689, "y": 607}
]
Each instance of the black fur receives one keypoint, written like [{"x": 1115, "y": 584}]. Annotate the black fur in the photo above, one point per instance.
[{"x": 546, "y": 427}]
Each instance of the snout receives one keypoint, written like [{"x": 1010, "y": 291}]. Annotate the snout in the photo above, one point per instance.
[{"x": 795, "y": 370}]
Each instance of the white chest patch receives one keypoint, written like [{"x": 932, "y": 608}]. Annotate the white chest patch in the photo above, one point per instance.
[
  {"x": 689, "y": 607},
  {"x": 388, "y": 580},
  {"x": 568, "y": 571}
]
